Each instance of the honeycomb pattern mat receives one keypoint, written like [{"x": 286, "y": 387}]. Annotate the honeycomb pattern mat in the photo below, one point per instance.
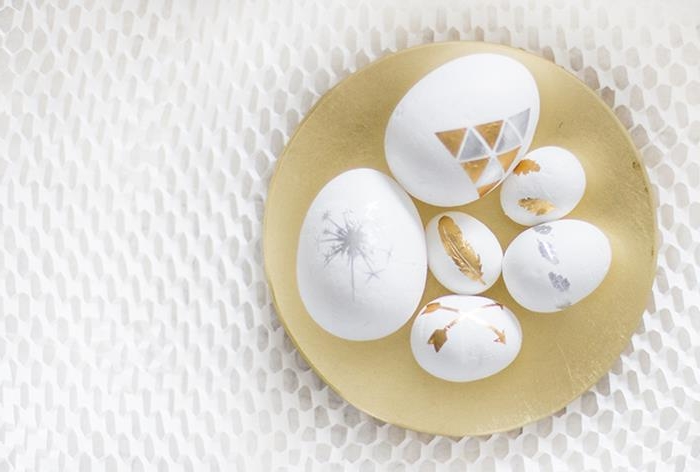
[{"x": 137, "y": 140}]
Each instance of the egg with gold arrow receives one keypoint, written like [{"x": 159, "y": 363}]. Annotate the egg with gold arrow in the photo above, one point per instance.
[{"x": 464, "y": 338}]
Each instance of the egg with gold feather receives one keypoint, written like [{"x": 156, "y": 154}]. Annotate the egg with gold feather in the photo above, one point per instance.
[{"x": 463, "y": 254}]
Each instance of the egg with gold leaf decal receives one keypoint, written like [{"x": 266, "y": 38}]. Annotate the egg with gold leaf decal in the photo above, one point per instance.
[
  {"x": 361, "y": 258},
  {"x": 464, "y": 338},
  {"x": 460, "y": 130},
  {"x": 552, "y": 266},
  {"x": 545, "y": 185},
  {"x": 463, "y": 254}
]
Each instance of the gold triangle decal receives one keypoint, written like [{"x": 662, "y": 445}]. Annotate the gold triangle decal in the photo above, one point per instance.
[
  {"x": 490, "y": 131},
  {"x": 475, "y": 168},
  {"x": 452, "y": 139},
  {"x": 507, "y": 158},
  {"x": 484, "y": 189}
]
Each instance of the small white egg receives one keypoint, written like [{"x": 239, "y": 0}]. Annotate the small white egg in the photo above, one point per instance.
[
  {"x": 463, "y": 254},
  {"x": 459, "y": 130},
  {"x": 361, "y": 259},
  {"x": 545, "y": 185},
  {"x": 462, "y": 338},
  {"x": 552, "y": 266}
]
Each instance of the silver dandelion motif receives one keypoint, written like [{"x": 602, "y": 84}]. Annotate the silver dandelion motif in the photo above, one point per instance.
[
  {"x": 547, "y": 251},
  {"x": 559, "y": 282},
  {"x": 349, "y": 239}
]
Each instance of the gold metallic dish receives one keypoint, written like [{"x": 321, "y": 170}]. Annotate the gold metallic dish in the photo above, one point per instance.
[{"x": 563, "y": 354}]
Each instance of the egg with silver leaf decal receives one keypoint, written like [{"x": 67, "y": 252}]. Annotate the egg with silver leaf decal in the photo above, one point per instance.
[{"x": 552, "y": 266}]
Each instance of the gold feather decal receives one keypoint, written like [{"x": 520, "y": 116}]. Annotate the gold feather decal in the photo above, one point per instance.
[
  {"x": 538, "y": 206},
  {"x": 461, "y": 252},
  {"x": 526, "y": 166}
]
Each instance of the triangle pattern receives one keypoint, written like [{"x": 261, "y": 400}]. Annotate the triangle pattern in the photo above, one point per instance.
[
  {"x": 473, "y": 147},
  {"x": 475, "y": 168},
  {"x": 484, "y": 189},
  {"x": 492, "y": 173},
  {"x": 452, "y": 139},
  {"x": 507, "y": 158},
  {"x": 520, "y": 121},
  {"x": 490, "y": 131},
  {"x": 508, "y": 140}
]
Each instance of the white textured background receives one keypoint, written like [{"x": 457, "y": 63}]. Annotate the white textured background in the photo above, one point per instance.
[{"x": 137, "y": 140}]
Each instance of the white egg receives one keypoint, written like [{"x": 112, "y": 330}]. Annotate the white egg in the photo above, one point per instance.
[
  {"x": 463, "y": 254},
  {"x": 459, "y": 130},
  {"x": 361, "y": 261},
  {"x": 551, "y": 266},
  {"x": 544, "y": 186},
  {"x": 461, "y": 338}
]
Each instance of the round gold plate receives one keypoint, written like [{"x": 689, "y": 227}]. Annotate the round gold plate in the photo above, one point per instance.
[{"x": 562, "y": 354}]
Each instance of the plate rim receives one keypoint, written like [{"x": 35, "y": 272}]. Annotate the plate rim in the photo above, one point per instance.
[{"x": 327, "y": 96}]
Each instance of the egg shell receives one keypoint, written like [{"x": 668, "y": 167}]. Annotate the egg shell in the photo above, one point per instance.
[
  {"x": 361, "y": 259},
  {"x": 545, "y": 185},
  {"x": 463, "y": 338},
  {"x": 463, "y": 254},
  {"x": 460, "y": 129},
  {"x": 554, "y": 265}
]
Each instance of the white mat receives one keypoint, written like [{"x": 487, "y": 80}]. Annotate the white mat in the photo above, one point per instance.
[{"x": 136, "y": 143}]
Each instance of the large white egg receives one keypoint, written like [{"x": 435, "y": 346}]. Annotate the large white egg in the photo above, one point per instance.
[
  {"x": 361, "y": 261},
  {"x": 463, "y": 254},
  {"x": 551, "y": 266},
  {"x": 462, "y": 338},
  {"x": 544, "y": 186},
  {"x": 460, "y": 130}
]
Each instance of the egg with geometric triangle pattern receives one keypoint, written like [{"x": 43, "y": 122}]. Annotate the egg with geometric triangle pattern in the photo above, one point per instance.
[{"x": 461, "y": 129}]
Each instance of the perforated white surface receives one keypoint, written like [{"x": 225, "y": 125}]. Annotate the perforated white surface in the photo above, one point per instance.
[{"x": 137, "y": 140}]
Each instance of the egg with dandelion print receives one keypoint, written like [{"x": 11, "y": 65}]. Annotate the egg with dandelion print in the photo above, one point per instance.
[{"x": 361, "y": 259}]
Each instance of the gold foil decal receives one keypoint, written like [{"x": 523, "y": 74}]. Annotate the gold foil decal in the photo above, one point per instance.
[
  {"x": 490, "y": 131},
  {"x": 500, "y": 335},
  {"x": 538, "y": 206},
  {"x": 484, "y": 189},
  {"x": 507, "y": 158},
  {"x": 475, "y": 168},
  {"x": 439, "y": 337},
  {"x": 526, "y": 166},
  {"x": 459, "y": 250},
  {"x": 452, "y": 139},
  {"x": 430, "y": 307}
]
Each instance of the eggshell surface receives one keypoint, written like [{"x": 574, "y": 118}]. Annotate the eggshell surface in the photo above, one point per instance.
[
  {"x": 361, "y": 259},
  {"x": 460, "y": 130},
  {"x": 544, "y": 186},
  {"x": 554, "y": 265},
  {"x": 464, "y": 338},
  {"x": 463, "y": 254}
]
